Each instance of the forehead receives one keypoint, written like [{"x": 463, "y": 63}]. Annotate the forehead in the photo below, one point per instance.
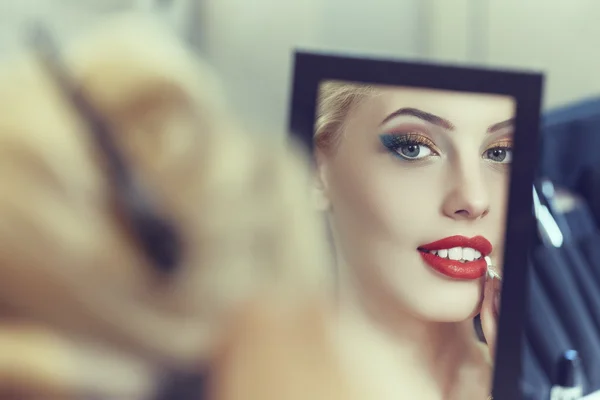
[{"x": 457, "y": 107}]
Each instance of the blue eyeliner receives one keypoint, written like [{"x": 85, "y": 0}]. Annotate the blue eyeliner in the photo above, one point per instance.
[
  {"x": 394, "y": 142},
  {"x": 389, "y": 141}
]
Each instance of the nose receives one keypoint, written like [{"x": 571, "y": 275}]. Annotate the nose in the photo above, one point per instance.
[{"x": 467, "y": 197}]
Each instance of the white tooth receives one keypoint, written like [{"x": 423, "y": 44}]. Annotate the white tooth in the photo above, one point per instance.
[
  {"x": 468, "y": 254},
  {"x": 477, "y": 255},
  {"x": 443, "y": 253},
  {"x": 434, "y": 252},
  {"x": 455, "y": 253}
]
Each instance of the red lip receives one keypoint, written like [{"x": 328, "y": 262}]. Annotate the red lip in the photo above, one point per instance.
[
  {"x": 478, "y": 243},
  {"x": 455, "y": 269}
]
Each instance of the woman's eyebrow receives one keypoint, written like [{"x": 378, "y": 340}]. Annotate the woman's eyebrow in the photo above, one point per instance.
[
  {"x": 437, "y": 120},
  {"x": 509, "y": 123},
  {"x": 425, "y": 116}
]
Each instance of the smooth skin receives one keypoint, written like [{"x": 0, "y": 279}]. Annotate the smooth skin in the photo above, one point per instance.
[{"x": 449, "y": 177}]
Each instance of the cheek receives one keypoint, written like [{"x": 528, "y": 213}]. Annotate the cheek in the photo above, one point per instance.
[
  {"x": 499, "y": 189},
  {"x": 387, "y": 198}
]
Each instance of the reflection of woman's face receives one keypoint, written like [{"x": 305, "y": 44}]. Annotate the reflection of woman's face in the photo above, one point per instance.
[{"x": 415, "y": 167}]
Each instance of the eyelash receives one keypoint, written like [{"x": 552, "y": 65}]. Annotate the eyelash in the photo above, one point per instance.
[
  {"x": 507, "y": 146},
  {"x": 395, "y": 142}
]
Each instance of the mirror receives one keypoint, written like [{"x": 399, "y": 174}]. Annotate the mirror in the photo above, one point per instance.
[{"x": 413, "y": 166}]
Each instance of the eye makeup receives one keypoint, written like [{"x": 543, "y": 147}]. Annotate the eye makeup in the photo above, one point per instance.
[
  {"x": 410, "y": 146},
  {"x": 499, "y": 152},
  {"x": 504, "y": 144},
  {"x": 416, "y": 146}
]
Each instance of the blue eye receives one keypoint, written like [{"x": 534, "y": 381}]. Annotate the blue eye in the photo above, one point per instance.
[
  {"x": 414, "y": 151},
  {"x": 499, "y": 154},
  {"x": 409, "y": 147}
]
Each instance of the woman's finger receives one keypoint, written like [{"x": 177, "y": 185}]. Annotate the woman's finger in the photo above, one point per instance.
[{"x": 490, "y": 311}]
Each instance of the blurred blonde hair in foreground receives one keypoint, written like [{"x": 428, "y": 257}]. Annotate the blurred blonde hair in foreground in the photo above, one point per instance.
[{"x": 82, "y": 311}]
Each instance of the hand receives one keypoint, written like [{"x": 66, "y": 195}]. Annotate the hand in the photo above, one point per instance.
[{"x": 490, "y": 311}]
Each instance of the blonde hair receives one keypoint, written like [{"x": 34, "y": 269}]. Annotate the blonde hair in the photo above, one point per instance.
[
  {"x": 335, "y": 100},
  {"x": 240, "y": 203}
]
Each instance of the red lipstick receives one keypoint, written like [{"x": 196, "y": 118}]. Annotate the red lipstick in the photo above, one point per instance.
[{"x": 458, "y": 257}]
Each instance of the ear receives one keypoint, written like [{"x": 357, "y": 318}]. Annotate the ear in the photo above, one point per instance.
[{"x": 320, "y": 190}]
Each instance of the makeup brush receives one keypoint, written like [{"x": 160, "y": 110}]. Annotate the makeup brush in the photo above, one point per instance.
[{"x": 492, "y": 273}]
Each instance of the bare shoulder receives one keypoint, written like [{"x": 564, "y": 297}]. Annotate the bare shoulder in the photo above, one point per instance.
[{"x": 280, "y": 349}]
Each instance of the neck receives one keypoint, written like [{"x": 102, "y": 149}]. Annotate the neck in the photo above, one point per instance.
[{"x": 432, "y": 349}]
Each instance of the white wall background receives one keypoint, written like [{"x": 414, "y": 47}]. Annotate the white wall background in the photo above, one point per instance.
[
  {"x": 65, "y": 17},
  {"x": 69, "y": 17},
  {"x": 559, "y": 36},
  {"x": 250, "y": 42}
]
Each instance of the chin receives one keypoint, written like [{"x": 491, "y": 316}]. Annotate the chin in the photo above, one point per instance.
[
  {"x": 449, "y": 305},
  {"x": 432, "y": 297},
  {"x": 448, "y": 314}
]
